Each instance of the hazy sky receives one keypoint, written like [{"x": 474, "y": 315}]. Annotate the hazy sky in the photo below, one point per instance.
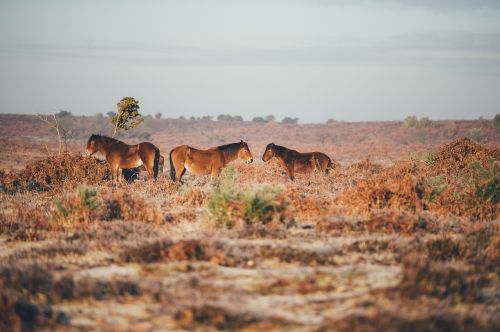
[{"x": 317, "y": 59}]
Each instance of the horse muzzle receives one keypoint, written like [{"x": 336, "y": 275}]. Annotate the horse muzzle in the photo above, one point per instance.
[{"x": 250, "y": 161}]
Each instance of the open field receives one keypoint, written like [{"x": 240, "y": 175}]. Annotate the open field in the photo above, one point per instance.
[{"x": 403, "y": 234}]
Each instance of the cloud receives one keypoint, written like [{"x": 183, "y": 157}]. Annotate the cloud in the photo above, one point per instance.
[
  {"x": 465, "y": 50},
  {"x": 439, "y": 5}
]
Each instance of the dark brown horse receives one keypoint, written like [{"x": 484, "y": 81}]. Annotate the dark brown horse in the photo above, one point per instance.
[
  {"x": 202, "y": 162},
  {"x": 296, "y": 162},
  {"x": 120, "y": 155}
]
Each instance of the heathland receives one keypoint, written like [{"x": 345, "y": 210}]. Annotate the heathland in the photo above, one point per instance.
[{"x": 402, "y": 234}]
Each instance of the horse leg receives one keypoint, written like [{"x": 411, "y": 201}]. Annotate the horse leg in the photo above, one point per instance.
[
  {"x": 119, "y": 174},
  {"x": 113, "y": 167},
  {"x": 215, "y": 172},
  {"x": 291, "y": 171},
  {"x": 180, "y": 171}
]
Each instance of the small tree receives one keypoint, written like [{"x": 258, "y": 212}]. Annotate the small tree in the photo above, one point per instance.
[
  {"x": 62, "y": 113},
  {"x": 270, "y": 118},
  {"x": 410, "y": 121},
  {"x": 63, "y": 134},
  {"x": 258, "y": 119},
  {"x": 158, "y": 115},
  {"x": 289, "y": 120},
  {"x": 127, "y": 115}
]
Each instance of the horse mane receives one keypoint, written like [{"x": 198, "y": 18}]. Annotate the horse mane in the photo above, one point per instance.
[
  {"x": 280, "y": 150},
  {"x": 105, "y": 140},
  {"x": 229, "y": 148}
]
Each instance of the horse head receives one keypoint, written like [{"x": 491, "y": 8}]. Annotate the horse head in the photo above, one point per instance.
[
  {"x": 269, "y": 153},
  {"x": 244, "y": 152}
]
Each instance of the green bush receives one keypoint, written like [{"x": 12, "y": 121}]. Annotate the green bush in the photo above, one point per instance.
[
  {"x": 76, "y": 207},
  {"x": 432, "y": 187},
  {"x": 228, "y": 204},
  {"x": 496, "y": 121},
  {"x": 486, "y": 182}
]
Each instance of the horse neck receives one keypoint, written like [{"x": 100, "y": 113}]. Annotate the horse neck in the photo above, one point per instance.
[
  {"x": 105, "y": 144},
  {"x": 230, "y": 156},
  {"x": 280, "y": 151}
]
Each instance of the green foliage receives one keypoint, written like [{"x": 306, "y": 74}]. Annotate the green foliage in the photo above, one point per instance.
[
  {"x": 430, "y": 159},
  {"x": 259, "y": 205},
  {"x": 496, "y": 121},
  {"x": 486, "y": 182},
  {"x": 76, "y": 207},
  {"x": 127, "y": 115},
  {"x": 432, "y": 187},
  {"x": 227, "y": 203}
]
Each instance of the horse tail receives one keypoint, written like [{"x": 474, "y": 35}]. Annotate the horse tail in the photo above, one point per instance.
[
  {"x": 156, "y": 163},
  {"x": 328, "y": 166},
  {"x": 172, "y": 168}
]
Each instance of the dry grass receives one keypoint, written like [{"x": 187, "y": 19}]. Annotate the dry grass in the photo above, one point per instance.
[{"x": 389, "y": 242}]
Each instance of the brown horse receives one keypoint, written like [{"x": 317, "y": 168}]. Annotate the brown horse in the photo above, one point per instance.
[
  {"x": 202, "y": 162},
  {"x": 296, "y": 162},
  {"x": 120, "y": 155}
]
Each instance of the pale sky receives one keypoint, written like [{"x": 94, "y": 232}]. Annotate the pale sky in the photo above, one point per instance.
[{"x": 315, "y": 60}]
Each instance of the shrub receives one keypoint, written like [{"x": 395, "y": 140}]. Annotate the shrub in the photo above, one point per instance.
[
  {"x": 424, "y": 122},
  {"x": 496, "y": 121},
  {"x": 158, "y": 115},
  {"x": 432, "y": 187},
  {"x": 229, "y": 205},
  {"x": 77, "y": 207},
  {"x": 62, "y": 113},
  {"x": 259, "y": 205},
  {"x": 413, "y": 121},
  {"x": 259, "y": 119},
  {"x": 290, "y": 120},
  {"x": 410, "y": 121},
  {"x": 486, "y": 182},
  {"x": 476, "y": 133}
]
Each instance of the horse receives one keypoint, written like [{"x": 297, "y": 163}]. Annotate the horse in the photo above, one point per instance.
[
  {"x": 203, "y": 162},
  {"x": 132, "y": 174},
  {"x": 296, "y": 162},
  {"x": 120, "y": 155}
]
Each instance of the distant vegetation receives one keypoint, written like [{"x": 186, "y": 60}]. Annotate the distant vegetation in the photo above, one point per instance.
[
  {"x": 289, "y": 120},
  {"x": 413, "y": 122},
  {"x": 496, "y": 120},
  {"x": 228, "y": 117}
]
